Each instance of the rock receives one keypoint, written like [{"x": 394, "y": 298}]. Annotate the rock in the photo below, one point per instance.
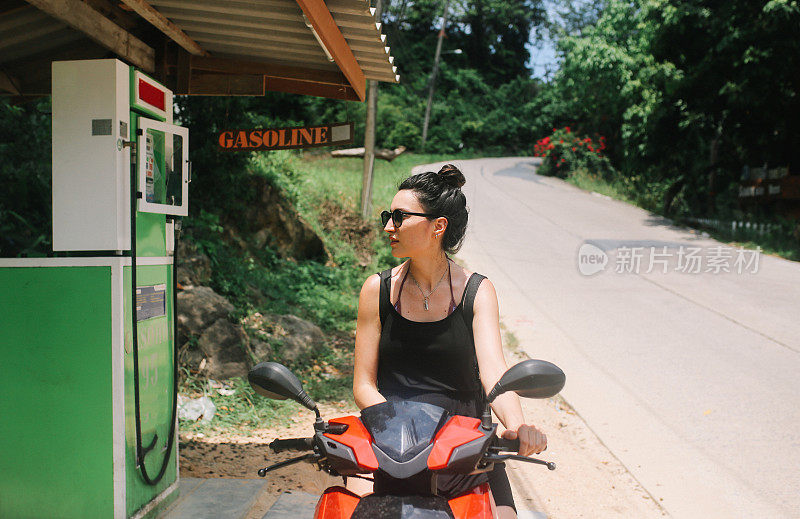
[
  {"x": 199, "y": 307},
  {"x": 194, "y": 267},
  {"x": 191, "y": 358},
  {"x": 224, "y": 345},
  {"x": 298, "y": 336},
  {"x": 222, "y": 349},
  {"x": 283, "y": 338},
  {"x": 273, "y": 221},
  {"x": 260, "y": 350}
]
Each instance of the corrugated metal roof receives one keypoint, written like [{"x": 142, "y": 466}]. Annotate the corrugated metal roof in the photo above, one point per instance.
[
  {"x": 275, "y": 31},
  {"x": 246, "y": 32}
]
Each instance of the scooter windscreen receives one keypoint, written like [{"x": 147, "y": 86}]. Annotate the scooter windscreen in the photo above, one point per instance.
[{"x": 402, "y": 429}]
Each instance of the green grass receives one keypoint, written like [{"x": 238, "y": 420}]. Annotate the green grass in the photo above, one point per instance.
[
  {"x": 339, "y": 179},
  {"x": 326, "y": 294},
  {"x": 592, "y": 182},
  {"x": 780, "y": 244},
  {"x": 240, "y": 412}
]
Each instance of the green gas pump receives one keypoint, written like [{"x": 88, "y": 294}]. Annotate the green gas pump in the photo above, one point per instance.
[{"x": 87, "y": 336}]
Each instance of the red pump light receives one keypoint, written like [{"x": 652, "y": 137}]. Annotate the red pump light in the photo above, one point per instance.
[
  {"x": 458, "y": 431},
  {"x": 152, "y": 95}
]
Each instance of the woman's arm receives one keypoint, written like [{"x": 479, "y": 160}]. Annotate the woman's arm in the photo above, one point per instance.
[
  {"x": 492, "y": 365},
  {"x": 368, "y": 335}
]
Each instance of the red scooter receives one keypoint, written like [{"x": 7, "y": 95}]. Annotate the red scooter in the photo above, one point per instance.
[{"x": 410, "y": 443}]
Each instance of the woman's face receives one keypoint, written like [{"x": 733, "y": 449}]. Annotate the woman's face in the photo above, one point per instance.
[{"x": 418, "y": 235}]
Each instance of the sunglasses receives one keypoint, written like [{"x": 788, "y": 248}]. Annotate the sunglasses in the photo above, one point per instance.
[{"x": 398, "y": 215}]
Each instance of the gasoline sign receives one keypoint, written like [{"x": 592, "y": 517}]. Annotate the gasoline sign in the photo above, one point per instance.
[{"x": 286, "y": 138}]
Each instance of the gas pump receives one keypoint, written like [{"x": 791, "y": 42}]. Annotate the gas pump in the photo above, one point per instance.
[{"x": 88, "y": 337}]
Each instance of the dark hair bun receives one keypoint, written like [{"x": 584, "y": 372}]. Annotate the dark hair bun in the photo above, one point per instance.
[{"x": 452, "y": 176}]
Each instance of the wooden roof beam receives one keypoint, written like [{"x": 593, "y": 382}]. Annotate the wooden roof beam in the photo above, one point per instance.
[
  {"x": 83, "y": 18},
  {"x": 204, "y": 83},
  {"x": 269, "y": 70},
  {"x": 225, "y": 85},
  {"x": 198, "y": 75},
  {"x": 161, "y": 23},
  {"x": 332, "y": 39},
  {"x": 344, "y": 92}
]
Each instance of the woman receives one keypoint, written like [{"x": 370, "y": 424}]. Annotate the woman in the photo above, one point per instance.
[{"x": 424, "y": 325}]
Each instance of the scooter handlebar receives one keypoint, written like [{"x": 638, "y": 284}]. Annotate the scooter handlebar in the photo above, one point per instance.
[
  {"x": 505, "y": 445},
  {"x": 508, "y": 445},
  {"x": 292, "y": 444}
]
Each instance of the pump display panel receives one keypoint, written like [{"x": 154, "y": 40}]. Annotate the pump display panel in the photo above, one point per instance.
[{"x": 163, "y": 168}]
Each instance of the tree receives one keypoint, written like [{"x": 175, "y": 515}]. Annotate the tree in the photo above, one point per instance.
[
  {"x": 609, "y": 82},
  {"x": 25, "y": 200},
  {"x": 741, "y": 71},
  {"x": 737, "y": 91}
]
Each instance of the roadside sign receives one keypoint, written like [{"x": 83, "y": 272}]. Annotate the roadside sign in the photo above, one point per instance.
[{"x": 265, "y": 139}]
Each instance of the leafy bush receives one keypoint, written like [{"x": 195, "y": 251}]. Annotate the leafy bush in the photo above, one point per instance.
[
  {"x": 25, "y": 200},
  {"x": 565, "y": 151}
]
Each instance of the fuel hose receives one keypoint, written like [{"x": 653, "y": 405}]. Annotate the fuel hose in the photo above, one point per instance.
[{"x": 142, "y": 451}]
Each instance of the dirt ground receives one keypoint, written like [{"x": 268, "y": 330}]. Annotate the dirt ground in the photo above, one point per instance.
[{"x": 589, "y": 482}]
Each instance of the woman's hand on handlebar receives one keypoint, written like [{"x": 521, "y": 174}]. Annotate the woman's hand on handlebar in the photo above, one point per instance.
[
  {"x": 531, "y": 439},
  {"x": 292, "y": 444}
]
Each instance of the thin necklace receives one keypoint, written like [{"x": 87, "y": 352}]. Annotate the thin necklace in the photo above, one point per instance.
[{"x": 424, "y": 297}]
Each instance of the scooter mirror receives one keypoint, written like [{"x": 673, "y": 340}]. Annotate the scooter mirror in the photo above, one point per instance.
[
  {"x": 275, "y": 381},
  {"x": 530, "y": 379}
]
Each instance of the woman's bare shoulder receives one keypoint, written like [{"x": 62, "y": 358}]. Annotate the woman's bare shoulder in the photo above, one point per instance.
[
  {"x": 371, "y": 286},
  {"x": 486, "y": 295}
]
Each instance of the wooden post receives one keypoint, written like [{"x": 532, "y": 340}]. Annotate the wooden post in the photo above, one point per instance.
[
  {"x": 433, "y": 75},
  {"x": 369, "y": 140}
]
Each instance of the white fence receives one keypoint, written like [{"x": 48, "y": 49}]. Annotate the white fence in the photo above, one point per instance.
[{"x": 737, "y": 227}]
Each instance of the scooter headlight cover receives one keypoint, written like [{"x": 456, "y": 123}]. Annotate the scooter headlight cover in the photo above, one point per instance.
[{"x": 403, "y": 429}]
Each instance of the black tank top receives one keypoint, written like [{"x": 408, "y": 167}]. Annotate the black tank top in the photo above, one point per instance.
[{"x": 433, "y": 362}]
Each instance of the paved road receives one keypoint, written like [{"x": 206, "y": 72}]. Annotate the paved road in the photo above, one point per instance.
[{"x": 691, "y": 379}]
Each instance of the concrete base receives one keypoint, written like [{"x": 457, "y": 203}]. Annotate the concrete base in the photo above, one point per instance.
[
  {"x": 293, "y": 505},
  {"x": 214, "y": 498}
]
